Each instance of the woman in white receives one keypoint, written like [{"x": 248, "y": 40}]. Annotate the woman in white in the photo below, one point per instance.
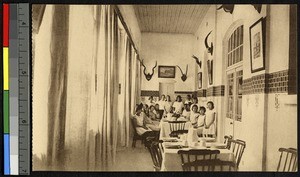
[
  {"x": 194, "y": 115},
  {"x": 168, "y": 104},
  {"x": 201, "y": 121},
  {"x": 139, "y": 121},
  {"x": 162, "y": 102},
  {"x": 178, "y": 105},
  {"x": 210, "y": 120},
  {"x": 186, "y": 112}
]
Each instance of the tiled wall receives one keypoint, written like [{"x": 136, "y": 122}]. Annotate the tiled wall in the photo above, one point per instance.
[{"x": 267, "y": 83}]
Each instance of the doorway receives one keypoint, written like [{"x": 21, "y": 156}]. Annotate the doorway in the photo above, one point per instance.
[{"x": 167, "y": 89}]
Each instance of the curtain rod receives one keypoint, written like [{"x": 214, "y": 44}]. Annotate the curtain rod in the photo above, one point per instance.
[{"x": 117, "y": 10}]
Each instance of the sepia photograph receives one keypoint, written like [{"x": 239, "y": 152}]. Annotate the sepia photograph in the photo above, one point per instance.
[{"x": 106, "y": 95}]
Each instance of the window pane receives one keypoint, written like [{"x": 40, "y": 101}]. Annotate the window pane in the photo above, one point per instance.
[
  {"x": 242, "y": 34},
  {"x": 241, "y": 53}
]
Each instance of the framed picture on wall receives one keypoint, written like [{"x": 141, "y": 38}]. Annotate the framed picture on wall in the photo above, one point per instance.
[
  {"x": 257, "y": 46},
  {"x": 166, "y": 71},
  {"x": 199, "y": 80},
  {"x": 210, "y": 71}
]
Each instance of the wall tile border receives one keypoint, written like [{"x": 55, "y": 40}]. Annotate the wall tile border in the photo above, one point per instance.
[
  {"x": 153, "y": 93},
  {"x": 276, "y": 82},
  {"x": 215, "y": 91}
]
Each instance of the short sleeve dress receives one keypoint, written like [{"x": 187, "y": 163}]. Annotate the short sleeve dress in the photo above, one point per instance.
[
  {"x": 140, "y": 122},
  {"x": 210, "y": 115}
]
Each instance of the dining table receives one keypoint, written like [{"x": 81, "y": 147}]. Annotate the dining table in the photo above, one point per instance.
[
  {"x": 171, "y": 161},
  {"x": 165, "y": 128}
]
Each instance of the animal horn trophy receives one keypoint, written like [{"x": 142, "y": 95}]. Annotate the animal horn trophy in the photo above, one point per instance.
[
  {"x": 211, "y": 47},
  {"x": 149, "y": 75},
  {"x": 184, "y": 76},
  {"x": 197, "y": 61},
  {"x": 227, "y": 7}
]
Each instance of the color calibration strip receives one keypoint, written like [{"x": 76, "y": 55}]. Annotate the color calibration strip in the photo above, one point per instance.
[
  {"x": 16, "y": 89},
  {"x": 6, "y": 89}
]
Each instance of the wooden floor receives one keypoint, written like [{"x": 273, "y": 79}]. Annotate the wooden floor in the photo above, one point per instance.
[{"x": 133, "y": 159}]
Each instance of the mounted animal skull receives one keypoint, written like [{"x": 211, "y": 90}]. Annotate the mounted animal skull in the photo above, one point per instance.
[
  {"x": 184, "y": 76},
  {"x": 197, "y": 61},
  {"x": 148, "y": 76},
  {"x": 227, "y": 7},
  {"x": 211, "y": 48}
]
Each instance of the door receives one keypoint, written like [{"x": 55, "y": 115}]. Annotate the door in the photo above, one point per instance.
[
  {"x": 234, "y": 78},
  {"x": 167, "y": 89}
]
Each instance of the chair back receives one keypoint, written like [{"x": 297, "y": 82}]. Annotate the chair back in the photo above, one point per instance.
[
  {"x": 204, "y": 160},
  {"x": 156, "y": 154},
  {"x": 177, "y": 127},
  {"x": 133, "y": 126},
  {"x": 226, "y": 141},
  {"x": 288, "y": 161},
  {"x": 237, "y": 146}
]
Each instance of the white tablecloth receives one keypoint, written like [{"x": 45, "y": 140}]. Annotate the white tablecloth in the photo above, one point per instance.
[
  {"x": 165, "y": 129},
  {"x": 172, "y": 161}
]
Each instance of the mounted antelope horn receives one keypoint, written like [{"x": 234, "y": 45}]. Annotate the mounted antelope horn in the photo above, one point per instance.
[
  {"x": 257, "y": 7},
  {"x": 184, "y": 76},
  {"x": 227, "y": 7},
  {"x": 197, "y": 61},
  {"x": 148, "y": 76},
  {"x": 210, "y": 49}
]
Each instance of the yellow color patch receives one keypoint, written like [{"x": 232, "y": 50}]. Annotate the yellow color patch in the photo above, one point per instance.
[{"x": 5, "y": 69}]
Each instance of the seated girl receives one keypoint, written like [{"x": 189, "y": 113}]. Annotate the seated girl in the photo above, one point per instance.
[
  {"x": 169, "y": 116},
  {"x": 201, "y": 120},
  {"x": 139, "y": 121},
  {"x": 194, "y": 115},
  {"x": 186, "y": 112},
  {"x": 210, "y": 121},
  {"x": 153, "y": 114}
]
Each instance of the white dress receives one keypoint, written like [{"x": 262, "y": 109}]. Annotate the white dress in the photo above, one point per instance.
[
  {"x": 168, "y": 105},
  {"x": 140, "y": 122},
  {"x": 178, "y": 107},
  {"x": 200, "y": 122},
  {"x": 210, "y": 116},
  {"x": 161, "y": 104},
  {"x": 186, "y": 114},
  {"x": 194, "y": 117}
]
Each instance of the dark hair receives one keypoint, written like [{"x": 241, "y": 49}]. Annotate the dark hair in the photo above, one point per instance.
[
  {"x": 138, "y": 107},
  {"x": 151, "y": 97},
  {"x": 189, "y": 96},
  {"x": 146, "y": 105},
  {"x": 151, "y": 107},
  {"x": 180, "y": 99},
  {"x": 195, "y": 106},
  {"x": 195, "y": 98},
  {"x": 212, "y": 104},
  {"x": 168, "y": 96},
  {"x": 203, "y": 108}
]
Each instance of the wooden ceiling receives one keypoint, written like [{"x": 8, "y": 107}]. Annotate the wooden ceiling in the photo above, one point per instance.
[{"x": 183, "y": 19}]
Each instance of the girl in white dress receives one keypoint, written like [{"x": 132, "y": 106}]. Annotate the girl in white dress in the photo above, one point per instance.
[
  {"x": 194, "y": 115},
  {"x": 168, "y": 104},
  {"x": 186, "y": 112},
  {"x": 210, "y": 120},
  {"x": 162, "y": 102},
  {"x": 178, "y": 105},
  {"x": 201, "y": 121},
  {"x": 139, "y": 121}
]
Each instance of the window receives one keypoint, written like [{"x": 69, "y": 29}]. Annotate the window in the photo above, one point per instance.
[
  {"x": 234, "y": 75},
  {"x": 235, "y": 47}
]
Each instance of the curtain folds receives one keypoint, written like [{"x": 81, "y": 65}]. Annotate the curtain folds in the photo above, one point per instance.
[{"x": 88, "y": 115}]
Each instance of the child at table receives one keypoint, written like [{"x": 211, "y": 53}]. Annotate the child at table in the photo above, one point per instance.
[
  {"x": 194, "y": 115},
  {"x": 152, "y": 113},
  {"x": 201, "y": 120},
  {"x": 210, "y": 120},
  {"x": 187, "y": 111}
]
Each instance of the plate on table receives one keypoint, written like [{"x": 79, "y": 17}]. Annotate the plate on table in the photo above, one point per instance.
[
  {"x": 216, "y": 145},
  {"x": 170, "y": 139},
  {"x": 207, "y": 139}
]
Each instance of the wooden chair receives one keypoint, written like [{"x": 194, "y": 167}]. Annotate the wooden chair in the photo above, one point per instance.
[
  {"x": 177, "y": 128},
  {"x": 204, "y": 160},
  {"x": 226, "y": 140},
  {"x": 136, "y": 136},
  {"x": 156, "y": 153},
  {"x": 288, "y": 161},
  {"x": 237, "y": 147}
]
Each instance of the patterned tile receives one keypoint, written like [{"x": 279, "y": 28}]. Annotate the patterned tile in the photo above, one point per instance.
[{"x": 153, "y": 93}]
